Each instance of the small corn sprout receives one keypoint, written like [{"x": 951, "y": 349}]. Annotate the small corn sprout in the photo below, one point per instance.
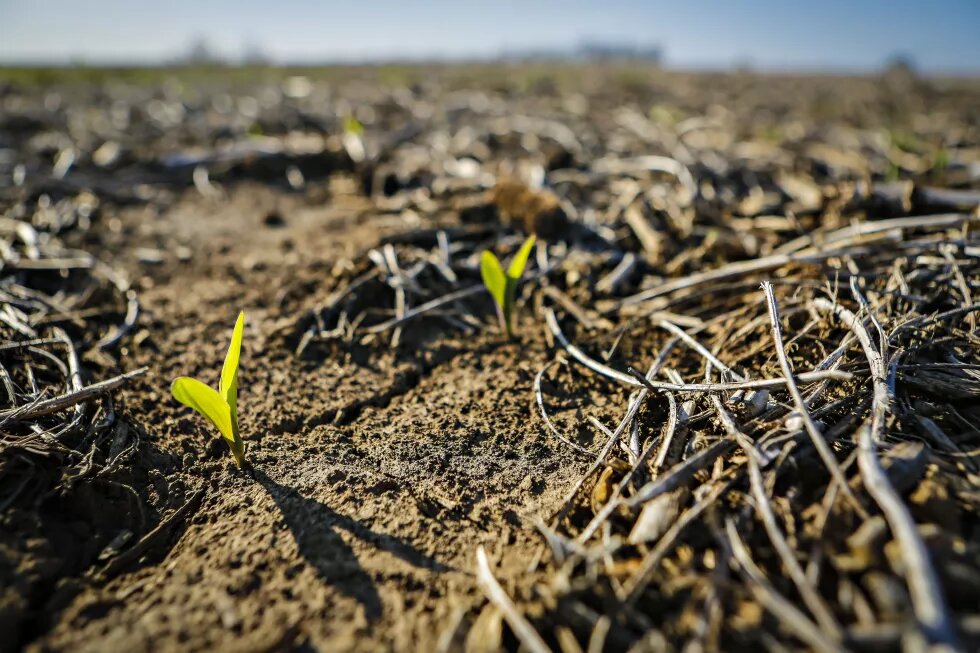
[
  {"x": 503, "y": 285},
  {"x": 221, "y": 407}
]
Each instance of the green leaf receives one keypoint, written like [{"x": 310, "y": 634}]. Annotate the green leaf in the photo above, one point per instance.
[
  {"x": 208, "y": 403},
  {"x": 519, "y": 261},
  {"x": 228, "y": 387},
  {"x": 493, "y": 277}
]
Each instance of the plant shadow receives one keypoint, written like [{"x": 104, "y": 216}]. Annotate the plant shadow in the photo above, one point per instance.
[{"x": 315, "y": 527}]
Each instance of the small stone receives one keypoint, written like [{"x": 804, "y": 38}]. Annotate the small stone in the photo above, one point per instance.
[{"x": 149, "y": 256}]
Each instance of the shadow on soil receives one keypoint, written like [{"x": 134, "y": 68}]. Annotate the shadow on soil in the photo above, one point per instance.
[{"x": 315, "y": 528}]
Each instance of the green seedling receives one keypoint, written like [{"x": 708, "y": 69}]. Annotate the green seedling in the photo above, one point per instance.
[
  {"x": 221, "y": 407},
  {"x": 353, "y": 126},
  {"x": 503, "y": 285}
]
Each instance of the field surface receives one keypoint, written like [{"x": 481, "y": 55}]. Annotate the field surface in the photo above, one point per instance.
[{"x": 739, "y": 409}]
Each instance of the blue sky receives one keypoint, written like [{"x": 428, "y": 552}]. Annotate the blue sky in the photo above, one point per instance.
[{"x": 940, "y": 35}]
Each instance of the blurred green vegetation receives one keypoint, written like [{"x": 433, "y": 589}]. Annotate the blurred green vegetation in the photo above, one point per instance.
[
  {"x": 517, "y": 76},
  {"x": 84, "y": 75}
]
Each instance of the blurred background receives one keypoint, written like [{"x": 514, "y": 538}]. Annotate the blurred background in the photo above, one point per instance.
[{"x": 833, "y": 35}]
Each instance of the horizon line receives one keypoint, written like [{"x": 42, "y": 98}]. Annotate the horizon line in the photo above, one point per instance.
[{"x": 735, "y": 64}]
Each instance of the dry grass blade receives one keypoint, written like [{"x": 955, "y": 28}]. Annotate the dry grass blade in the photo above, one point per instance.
[
  {"x": 682, "y": 473},
  {"x": 522, "y": 628},
  {"x": 631, "y": 412},
  {"x": 613, "y": 502},
  {"x": 810, "y": 597},
  {"x": 634, "y": 587},
  {"x": 794, "y": 620},
  {"x": 816, "y": 437},
  {"x": 768, "y": 263},
  {"x": 718, "y": 388},
  {"x": 539, "y": 398},
  {"x": 68, "y": 400},
  {"x": 928, "y": 599}
]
